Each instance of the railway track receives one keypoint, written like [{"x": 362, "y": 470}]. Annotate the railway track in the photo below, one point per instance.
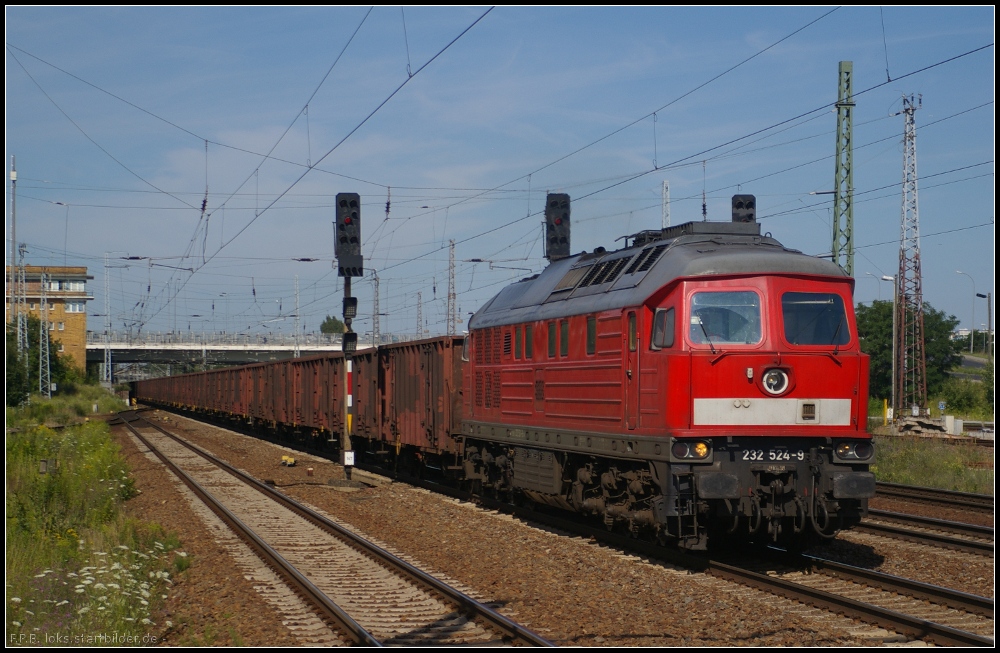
[
  {"x": 918, "y": 611},
  {"x": 364, "y": 594},
  {"x": 946, "y": 622},
  {"x": 935, "y": 614},
  {"x": 927, "y": 530},
  {"x": 944, "y": 498}
]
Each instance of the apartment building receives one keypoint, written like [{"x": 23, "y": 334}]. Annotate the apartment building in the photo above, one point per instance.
[{"x": 66, "y": 300}]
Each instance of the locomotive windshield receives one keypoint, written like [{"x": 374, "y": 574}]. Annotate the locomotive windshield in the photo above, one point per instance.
[
  {"x": 814, "y": 319},
  {"x": 725, "y": 318}
]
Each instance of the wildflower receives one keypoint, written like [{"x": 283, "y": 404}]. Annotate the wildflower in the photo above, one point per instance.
[
  {"x": 122, "y": 546},
  {"x": 15, "y": 599},
  {"x": 88, "y": 581},
  {"x": 16, "y": 623},
  {"x": 114, "y": 586},
  {"x": 71, "y": 575},
  {"x": 170, "y": 624},
  {"x": 83, "y": 610},
  {"x": 158, "y": 545},
  {"x": 182, "y": 554},
  {"x": 63, "y": 602},
  {"x": 163, "y": 596},
  {"x": 144, "y": 601},
  {"x": 29, "y": 612},
  {"x": 100, "y": 553},
  {"x": 148, "y": 622}
]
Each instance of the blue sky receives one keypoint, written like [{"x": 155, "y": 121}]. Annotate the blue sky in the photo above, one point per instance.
[{"x": 121, "y": 118}]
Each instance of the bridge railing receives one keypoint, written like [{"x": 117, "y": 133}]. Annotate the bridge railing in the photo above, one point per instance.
[{"x": 198, "y": 340}]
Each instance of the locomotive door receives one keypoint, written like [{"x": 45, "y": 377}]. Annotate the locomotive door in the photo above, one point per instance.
[{"x": 631, "y": 372}]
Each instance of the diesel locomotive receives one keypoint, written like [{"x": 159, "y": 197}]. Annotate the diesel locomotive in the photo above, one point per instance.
[{"x": 703, "y": 383}]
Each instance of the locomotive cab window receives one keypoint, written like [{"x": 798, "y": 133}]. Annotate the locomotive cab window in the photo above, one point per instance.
[
  {"x": 552, "y": 339},
  {"x": 591, "y": 335},
  {"x": 517, "y": 342},
  {"x": 814, "y": 319},
  {"x": 564, "y": 338},
  {"x": 663, "y": 329},
  {"x": 728, "y": 318},
  {"x": 529, "y": 345}
]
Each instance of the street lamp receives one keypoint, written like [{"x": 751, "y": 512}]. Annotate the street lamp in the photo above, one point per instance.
[
  {"x": 972, "y": 325},
  {"x": 879, "y": 285}
]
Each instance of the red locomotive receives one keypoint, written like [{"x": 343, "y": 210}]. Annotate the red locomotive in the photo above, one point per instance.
[{"x": 703, "y": 382}]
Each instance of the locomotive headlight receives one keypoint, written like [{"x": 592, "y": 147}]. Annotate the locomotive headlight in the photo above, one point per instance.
[
  {"x": 698, "y": 450},
  {"x": 775, "y": 381},
  {"x": 855, "y": 450}
]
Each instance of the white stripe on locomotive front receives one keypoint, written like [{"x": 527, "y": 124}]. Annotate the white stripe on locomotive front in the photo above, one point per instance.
[{"x": 742, "y": 411}]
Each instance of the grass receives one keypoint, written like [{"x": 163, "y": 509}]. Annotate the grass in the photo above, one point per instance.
[
  {"x": 66, "y": 409},
  {"x": 75, "y": 566},
  {"x": 928, "y": 463}
]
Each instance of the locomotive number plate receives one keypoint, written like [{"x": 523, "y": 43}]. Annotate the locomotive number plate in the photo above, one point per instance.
[{"x": 773, "y": 455}]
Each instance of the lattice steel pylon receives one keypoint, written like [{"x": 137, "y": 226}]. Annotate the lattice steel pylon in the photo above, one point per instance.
[
  {"x": 108, "y": 376},
  {"x": 911, "y": 364},
  {"x": 420, "y": 315},
  {"x": 452, "y": 313},
  {"x": 21, "y": 307},
  {"x": 376, "y": 334},
  {"x": 843, "y": 194},
  {"x": 44, "y": 371}
]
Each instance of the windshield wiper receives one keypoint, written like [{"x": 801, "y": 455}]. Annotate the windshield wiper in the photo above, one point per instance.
[{"x": 707, "y": 337}]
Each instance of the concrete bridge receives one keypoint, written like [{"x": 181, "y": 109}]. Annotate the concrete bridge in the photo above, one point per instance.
[{"x": 149, "y": 355}]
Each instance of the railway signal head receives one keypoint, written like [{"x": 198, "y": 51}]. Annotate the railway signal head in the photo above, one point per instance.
[
  {"x": 349, "y": 342},
  {"x": 744, "y": 208},
  {"x": 347, "y": 239},
  {"x": 556, "y": 226}
]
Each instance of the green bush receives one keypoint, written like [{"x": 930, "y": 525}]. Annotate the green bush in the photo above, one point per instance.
[{"x": 74, "y": 563}]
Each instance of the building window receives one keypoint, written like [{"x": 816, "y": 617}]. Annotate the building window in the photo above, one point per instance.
[
  {"x": 31, "y": 306},
  {"x": 62, "y": 348},
  {"x": 52, "y": 326},
  {"x": 62, "y": 326},
  {"x": 75, "y": 307}
]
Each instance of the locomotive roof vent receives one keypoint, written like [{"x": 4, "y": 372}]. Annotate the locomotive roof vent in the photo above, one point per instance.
[{"x": 744, "y": 208}]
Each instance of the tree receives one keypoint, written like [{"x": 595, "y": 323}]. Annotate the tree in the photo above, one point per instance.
[
  {"x": 22, "y": 378},
  {"x": 332, "y": 325},
  {"x": 875, "y": 332}
]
